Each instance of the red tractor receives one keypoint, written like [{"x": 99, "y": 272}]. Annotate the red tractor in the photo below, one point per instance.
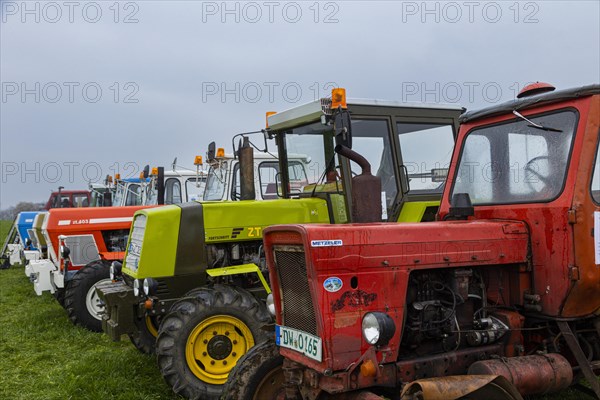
[{"x": 498, "y": 298}]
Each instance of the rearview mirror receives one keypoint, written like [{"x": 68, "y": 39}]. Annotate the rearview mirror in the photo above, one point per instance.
[
  {"x": 210, "y": 154},
  {"x": 146, "y": 171}
]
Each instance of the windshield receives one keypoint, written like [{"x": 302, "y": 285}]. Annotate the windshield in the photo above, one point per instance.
[
  {"x": 370, "y": 138},
  {"x": 195, "y": 188},
  {"x": 216, "y": 182},
  {"x": 514, "y": 162}
]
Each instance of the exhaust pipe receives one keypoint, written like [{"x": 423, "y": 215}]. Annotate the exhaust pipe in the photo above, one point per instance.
[
  {"x": 366, "y": 189},
  {"x": 160, "y": 190},
  {"x": 246, "y": 154}
]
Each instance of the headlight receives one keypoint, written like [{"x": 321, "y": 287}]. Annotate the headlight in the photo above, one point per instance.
[
  {"x": 378, "y": 328},
  {"x": 136, "y": 287},
  {"x": 271, "y": 304},
  {"x": 150, "y": 286},
  {"x": 115, "y": 270}
]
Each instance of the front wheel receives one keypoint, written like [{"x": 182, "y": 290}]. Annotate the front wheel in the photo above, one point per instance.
[
  {"x": 258, "y": 375},
  {"x": 144, "y": 339},
  {"x": 82, "y": 303},
  {"x": 203, "y": 337}
]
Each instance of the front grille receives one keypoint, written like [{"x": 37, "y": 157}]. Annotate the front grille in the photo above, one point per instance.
[{"x": 298, "y": 308}]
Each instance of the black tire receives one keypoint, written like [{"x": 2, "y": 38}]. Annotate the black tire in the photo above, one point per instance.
[
  {"x": 59, "y": 295},
  {"x": 209, "y": 312},
  {"x": 76, "y": 294},
  {"x": 144, "y": 340},
  {"x": 257, "y": 375}
]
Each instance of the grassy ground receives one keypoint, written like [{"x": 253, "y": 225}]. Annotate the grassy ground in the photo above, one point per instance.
[{"x": 43, "y": 356}]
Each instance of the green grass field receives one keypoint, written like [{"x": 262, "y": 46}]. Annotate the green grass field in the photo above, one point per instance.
[{"x": 43, "y": 356}]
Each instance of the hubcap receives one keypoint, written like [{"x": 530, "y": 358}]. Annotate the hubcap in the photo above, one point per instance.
[
  {"x": 215, "y": 345},
  {"x": 94, "y": 305}
]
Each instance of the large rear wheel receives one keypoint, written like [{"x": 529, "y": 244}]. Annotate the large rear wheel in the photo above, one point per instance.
[
  {"x": 203, "y": 337},
  {"x": 82, "y": 303},
  {"x": 258, "y": 375}
]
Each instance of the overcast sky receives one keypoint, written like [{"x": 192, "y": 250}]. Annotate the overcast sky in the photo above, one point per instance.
[{"x": 92, "y": 87}]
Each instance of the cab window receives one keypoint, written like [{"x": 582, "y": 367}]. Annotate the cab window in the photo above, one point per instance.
[
  {"x": 173, "y": 191},
  {"x": 426, "y": 148},
  {"x": 80, "y": 200},
  {"x": 134, "y": 195},
  {"x": 515, "y": 162}
]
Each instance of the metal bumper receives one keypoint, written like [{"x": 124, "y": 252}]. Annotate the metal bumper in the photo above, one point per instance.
[
  {"x": 120, "y": 311},
  {"x": 41, "y": 272}
]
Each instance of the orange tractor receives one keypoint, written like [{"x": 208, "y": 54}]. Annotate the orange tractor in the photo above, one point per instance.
[
  {"x": 499, "y": 298},
  {"x": 82, "y": 243}
]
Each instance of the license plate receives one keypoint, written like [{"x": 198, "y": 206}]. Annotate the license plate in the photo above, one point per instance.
[{"x": 302, "y": 342}]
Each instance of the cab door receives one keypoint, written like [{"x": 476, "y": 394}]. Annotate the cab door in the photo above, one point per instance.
[{"x": 583, "y": 297}]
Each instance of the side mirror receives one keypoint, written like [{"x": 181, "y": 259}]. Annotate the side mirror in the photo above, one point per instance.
[
  {"x": 210, "y": 154},
  {"x": 65, "y": 252},
  {"x": 146, "y": 172},
  {"x": 342, "y": 128},
  {"x": 439, "y": 175}
]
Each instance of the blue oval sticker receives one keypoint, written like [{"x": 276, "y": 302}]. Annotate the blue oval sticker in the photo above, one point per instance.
[{"x": 333, "y": 284}]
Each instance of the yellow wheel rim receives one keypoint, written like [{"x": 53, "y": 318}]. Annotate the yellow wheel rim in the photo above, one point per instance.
[
  {"x": 151, "y": 328},
  {"x": 215, "y": 345}
]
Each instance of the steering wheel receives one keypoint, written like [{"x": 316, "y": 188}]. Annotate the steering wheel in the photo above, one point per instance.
[{"x": 531, "y": 170}]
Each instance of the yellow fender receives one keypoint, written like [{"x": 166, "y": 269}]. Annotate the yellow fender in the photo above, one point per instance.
[{"x": 486, "y": 387}]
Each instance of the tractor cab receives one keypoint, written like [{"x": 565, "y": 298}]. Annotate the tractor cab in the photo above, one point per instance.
[
  {"x": 128, "y": 191},
  {"x": 102, "y": 194},
  {"x": 498, "y": 298},
  {"x": 68, "y": 199},
  {"x": 173, "y": 186}
]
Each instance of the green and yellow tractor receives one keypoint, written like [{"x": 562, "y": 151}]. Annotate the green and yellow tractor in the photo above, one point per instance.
[{"x": 194, "y": 273}]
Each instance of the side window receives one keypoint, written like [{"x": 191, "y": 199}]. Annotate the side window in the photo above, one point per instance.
[
  {"x": 236, "y": 189},
  {"x": 425, "y": 148},
  {"x": 477, "y": 152},
  {"x": 133, "y": 195},
  {"x": 80, "y": 200},
  {"x": 172, "y": 191},
  {"x": 267, "y": 174},
  {"x": 596, "y": 177}
]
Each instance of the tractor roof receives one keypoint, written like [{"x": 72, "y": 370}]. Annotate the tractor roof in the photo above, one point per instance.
[
  {"x": 531, "y": 101},
  {"x": 311, "y": 112}
]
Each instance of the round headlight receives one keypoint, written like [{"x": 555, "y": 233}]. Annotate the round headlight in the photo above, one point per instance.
[
  {"x": 378, "y": 328},
  {"x": 271, "y": 304},
  {"x": 370, "y": 328},
  {"x": 150, "y": 286},
  {"x": 136, "y": 287}
]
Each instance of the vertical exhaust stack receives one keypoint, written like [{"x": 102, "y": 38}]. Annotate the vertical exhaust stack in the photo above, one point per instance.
[
  {"x": 246, "y": 154},
  {"x": 160, "y": 189},
  {"x": 366, "y": 189}
]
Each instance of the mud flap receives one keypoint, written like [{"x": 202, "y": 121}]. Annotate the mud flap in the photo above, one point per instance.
[{"x": 488, "y": 387}]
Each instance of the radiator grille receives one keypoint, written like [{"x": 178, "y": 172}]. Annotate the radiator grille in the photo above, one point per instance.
[{"x": 298, "y": 309}]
